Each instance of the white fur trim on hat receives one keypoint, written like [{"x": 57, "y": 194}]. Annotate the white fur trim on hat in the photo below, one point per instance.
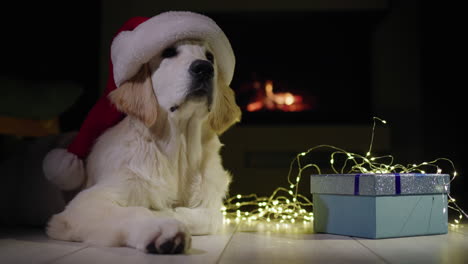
[
  {"x": 131, "y": 49},
  {"x": 64, "y": 169}
]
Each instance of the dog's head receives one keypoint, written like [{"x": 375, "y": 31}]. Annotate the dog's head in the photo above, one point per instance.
[{"x": 181, "y": 81}]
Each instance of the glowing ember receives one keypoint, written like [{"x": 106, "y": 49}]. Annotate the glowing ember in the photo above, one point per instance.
[{"x": 270, "y": 100}]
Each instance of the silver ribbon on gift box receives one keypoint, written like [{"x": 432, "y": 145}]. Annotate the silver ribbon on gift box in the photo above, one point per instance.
[{"x": 376, "y": 184}]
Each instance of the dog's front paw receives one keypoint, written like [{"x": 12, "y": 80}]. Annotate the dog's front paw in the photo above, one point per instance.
[{"x": 173, "y": 238}]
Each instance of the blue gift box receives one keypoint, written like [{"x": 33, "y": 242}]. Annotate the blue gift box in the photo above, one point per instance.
[{"x": 380, "y": 205}]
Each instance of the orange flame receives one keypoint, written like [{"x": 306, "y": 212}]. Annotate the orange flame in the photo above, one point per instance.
[{"x": 277, "y": 101}]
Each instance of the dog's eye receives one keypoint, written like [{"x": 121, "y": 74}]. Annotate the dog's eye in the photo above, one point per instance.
[
  {"x": 209, "y": 56},
  {"x": 169, "y": 52}
]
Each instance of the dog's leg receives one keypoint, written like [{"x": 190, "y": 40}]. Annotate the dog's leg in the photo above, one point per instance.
[
  {"x": 96, "y": 216},
  {"x": 200, "y": 221},
  {"x": 203, "y": 213}
]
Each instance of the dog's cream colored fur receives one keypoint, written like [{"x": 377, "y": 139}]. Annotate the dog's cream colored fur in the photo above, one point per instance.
[{"x": 157, "y": 175}]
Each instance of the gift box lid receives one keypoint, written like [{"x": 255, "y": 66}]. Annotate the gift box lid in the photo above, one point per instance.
[{"x": 376, "y": 184}]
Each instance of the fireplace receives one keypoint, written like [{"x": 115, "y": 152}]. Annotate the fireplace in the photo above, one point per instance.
[
  {"x": 302, "y": 79},
  {"x": 302, "y": 67}
]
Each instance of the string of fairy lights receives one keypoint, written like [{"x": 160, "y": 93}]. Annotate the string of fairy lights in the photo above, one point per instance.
[{"x": 286, "y": 205}]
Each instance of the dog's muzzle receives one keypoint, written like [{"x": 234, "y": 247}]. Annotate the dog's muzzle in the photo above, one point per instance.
[{"x": 202, "y": 73}]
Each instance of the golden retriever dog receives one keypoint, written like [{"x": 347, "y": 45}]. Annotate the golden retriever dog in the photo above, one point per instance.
[{"x": 156, "y": 177}]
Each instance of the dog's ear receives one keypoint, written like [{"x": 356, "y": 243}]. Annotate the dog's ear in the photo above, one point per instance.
[
  {"x": 224, "y": 111},
  {"x": 136, "y": 97}
]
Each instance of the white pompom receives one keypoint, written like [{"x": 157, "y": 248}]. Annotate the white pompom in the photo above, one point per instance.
[{"x": 63, "y": 169}]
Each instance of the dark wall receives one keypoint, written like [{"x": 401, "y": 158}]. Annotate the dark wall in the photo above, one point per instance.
[
  {"x": 444, "y": 83},
  {"x": 50, "y": 41}
]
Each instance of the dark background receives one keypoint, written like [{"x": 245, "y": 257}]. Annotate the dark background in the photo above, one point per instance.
[{"x": 63, "y": 41}]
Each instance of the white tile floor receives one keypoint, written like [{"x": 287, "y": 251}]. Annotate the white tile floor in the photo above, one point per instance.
[{"x": 246, "y": 244}]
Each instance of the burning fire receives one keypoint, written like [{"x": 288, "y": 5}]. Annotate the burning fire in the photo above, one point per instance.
[{"x": 269, "y": 100}]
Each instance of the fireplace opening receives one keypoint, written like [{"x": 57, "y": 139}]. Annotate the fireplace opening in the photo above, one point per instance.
[{"x": 302, "y": 67}]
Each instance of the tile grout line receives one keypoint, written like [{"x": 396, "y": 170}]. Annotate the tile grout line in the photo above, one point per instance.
[
  {"x": 66, "y": 255},
  {"x": 227, "y": 243},
  {"x": 377, "y": 255}
]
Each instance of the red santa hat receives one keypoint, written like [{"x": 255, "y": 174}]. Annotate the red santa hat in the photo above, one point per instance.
[{"x": 135, "y": 43}]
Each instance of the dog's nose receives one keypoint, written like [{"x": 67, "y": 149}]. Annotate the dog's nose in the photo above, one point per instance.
[{"x": 202, "y": 70}]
